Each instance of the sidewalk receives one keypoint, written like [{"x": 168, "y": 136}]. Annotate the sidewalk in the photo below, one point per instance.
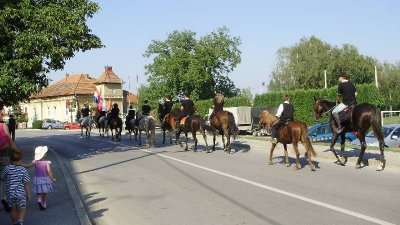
[{"x": 64, "y": 205}]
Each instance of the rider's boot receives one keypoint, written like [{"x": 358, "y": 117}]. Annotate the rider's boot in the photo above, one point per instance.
[{"x": 339, "y": 128}]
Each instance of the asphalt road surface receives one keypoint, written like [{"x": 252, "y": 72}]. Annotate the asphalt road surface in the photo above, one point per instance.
[{"x": 122, "y": 183}]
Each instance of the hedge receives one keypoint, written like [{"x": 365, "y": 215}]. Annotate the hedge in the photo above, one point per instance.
[
  {"x": 37, "y": 124},
  {"x": 203, "y": 105}
]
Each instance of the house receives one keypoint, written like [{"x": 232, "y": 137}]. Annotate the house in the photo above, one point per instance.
[{"x": 63, "y": 99}]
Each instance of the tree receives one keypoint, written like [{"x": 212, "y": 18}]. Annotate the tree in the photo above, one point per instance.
[
  {"x": 389, "y": 83},
  {"x": 302, "y": 66},
  {"x": 183, "y": 63},
  {"x": 39, "y": 36}
]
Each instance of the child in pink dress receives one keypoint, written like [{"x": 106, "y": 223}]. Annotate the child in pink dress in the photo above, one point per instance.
[{"x": 43, "y": 177}]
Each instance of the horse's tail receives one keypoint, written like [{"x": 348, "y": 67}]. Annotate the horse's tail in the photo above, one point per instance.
[
  {"x": 306, "y": 141},
  {"x": 376, "y": 122},
  {"x": 233, "y": 129},
  {"x": 207, "y": 127}
]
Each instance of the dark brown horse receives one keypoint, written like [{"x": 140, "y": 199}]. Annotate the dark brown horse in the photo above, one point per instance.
[
  {"x": 193, "y": 124},
  {"x": 169, "y": 123},
  {"x": 292, "y": 133},
  {"x": 362, "y": 117},
  {"x": 224, "y": 123},
  {"x": 116, "y": 124}
]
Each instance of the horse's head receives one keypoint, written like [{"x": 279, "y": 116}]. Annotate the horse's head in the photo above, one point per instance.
[
  {"x": 319, "y": 108},
  {"x": 267, "y": 118}
]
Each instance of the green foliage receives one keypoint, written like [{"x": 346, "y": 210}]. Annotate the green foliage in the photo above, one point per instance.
[
  {"x": 37, "y": 124},
  {"x": 183, "y": 63},
  {"x": 389, "y": 83},
  {"x": 303, "y": 100},
  {"x": 39, "y": 36},
  {"x": 302, "y": 65}
]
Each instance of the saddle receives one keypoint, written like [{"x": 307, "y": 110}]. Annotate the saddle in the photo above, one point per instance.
[
  {"x": 345, "y": 115},
  {"x": 183, "y": 120}
]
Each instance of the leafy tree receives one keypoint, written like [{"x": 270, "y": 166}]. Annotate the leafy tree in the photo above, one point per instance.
[
  {"x": 38, "y": 36},
  {"x": 389, "y": 83},
  {"x": 302, "y": 65},
  {"x": 183, "y": 63}
]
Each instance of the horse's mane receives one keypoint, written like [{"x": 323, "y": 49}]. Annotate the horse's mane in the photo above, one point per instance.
[
  {"x": 219, "y": 98},
  {"x": 271, "y": 117}
]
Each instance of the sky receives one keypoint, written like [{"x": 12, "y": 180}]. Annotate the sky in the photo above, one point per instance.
[{"x": 127, "y": 27}]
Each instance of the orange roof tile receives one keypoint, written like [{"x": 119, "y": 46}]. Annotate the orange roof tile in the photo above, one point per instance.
[
  {"x": 109, "y": 77},
  {"x": 80, "y": 84}
]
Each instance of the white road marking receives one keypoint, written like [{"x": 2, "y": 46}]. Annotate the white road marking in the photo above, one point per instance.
[{"x": 266, "y": 187}]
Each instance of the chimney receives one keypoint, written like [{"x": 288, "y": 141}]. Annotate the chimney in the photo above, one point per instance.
[
  {"x": 66, "y": 75},
  {"x": 108, "y": 68}
]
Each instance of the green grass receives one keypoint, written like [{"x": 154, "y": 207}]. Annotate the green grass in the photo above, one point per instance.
[{"x": 393, "y": 119}]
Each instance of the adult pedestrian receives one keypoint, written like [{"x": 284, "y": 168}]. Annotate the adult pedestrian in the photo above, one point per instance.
[{"x": 11, "y": 126}]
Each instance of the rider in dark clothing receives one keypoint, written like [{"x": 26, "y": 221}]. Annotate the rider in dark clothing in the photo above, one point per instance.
[
  {"x": 146, "y": 108},
  {"x": 285, "y": 113},
  {"x": 347, "y": 91},
  {"x": 187, "y": 108},
  {"x": 167, "y": 107},
  {"x": 114, "y": 113},
  {"x": 11, "y": 126},
  {"x": 130, "y": 116},
  {"x": 85, "y": 111}
]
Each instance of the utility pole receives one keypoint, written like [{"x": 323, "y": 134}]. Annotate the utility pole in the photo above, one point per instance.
[{"x": 326, "y": 86}]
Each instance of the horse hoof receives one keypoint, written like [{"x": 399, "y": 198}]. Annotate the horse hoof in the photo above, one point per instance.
[
  {"x": 270, "y": 163},
  {"x": 232, "y": 152},
  {"x": 287, "y": 164},
  {"x": 186, "y": 149},
  {"x": 358, "y": 166},
  {"x": 209, "y": 151},
  {"x": 296, "y": 168}
]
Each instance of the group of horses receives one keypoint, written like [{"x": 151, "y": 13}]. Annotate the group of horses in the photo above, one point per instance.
[{"x": 359, "y": 119}]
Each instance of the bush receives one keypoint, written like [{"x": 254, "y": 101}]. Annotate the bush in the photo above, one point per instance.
[{"x": 37, "y": 124}]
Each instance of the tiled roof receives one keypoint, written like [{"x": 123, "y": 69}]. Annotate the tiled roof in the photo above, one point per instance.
[
  {"x": 80, "y": 84},
  {"x": 109, "y": 77},
  {"x": 132, "y": 98}
]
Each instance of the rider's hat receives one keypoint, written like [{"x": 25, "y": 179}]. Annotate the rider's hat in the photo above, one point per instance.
[{"x": 342, "y": 74}]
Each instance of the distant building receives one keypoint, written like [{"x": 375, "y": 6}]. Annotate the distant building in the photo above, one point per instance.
[{"x": 62, "y": 100}]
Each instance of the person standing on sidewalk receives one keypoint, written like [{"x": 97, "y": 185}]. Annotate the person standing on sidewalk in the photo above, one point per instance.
[
  {"x": 43, "y": 176},
  {"x": 17, "y": 180},
  {"x": 11, "y": 126}
]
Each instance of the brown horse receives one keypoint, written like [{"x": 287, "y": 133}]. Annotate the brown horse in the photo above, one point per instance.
[
  {"x": 224, "y": 123},
  {"x": 292, "y": 133},
  {"x": 169, "y": 123},
  {"x": 116, "y": 124},
  {"x": 193, "y": 124},
  {"x": 362, "y": 117}
]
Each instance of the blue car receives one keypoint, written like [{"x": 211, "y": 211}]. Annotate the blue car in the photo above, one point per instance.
[{"x": 322, "y": 132}]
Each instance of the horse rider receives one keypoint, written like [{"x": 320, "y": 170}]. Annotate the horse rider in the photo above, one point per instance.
[
  {"x": 130, "y": 116},
  {"x": 114, "y": 114},
  {"x": 285, "y": 113},
  {"x": 218, "y": 103},
  {"x": 84, "y": 115},
  {"x": 167, "y": 106},
  {"x": 146, "y": 108},
  {"x": 101, "y": 116},
  {"x": 187, "y": 108},
  {"x": 347, "y": 92},
  {"x": 160, "y": 110}
]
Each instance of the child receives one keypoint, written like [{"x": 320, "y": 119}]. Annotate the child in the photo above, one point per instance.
[
  {"x": 16, "y": 178},
  {"x": 43, "y": 177}
]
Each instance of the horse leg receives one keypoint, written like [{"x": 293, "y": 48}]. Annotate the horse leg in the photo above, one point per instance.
[
  {"x": 81, "y": 131},
  {"x": 186, "y": 139},
  {"x": 226, "y": 145},
  {"x": 195, "y": 141},
  {"x": 205, "y": 140},
  {"x": 163, "y": 140},
  {"x": 140, "y": 137},
  {"x": 286, "y": 155},
  {"x": 361, "y": 137},
  {"x": 271, "y": 153},
  {"x": 340, "y": 160},
  {"x": 213, "y": 148},
  {"x": 381, "y": 165},
  {"x": 170, "y": 137},
  {"x": 296, "y": 150},
  {"x": 308, "y": 155}
]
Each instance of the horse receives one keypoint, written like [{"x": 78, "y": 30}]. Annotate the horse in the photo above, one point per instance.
[
  {"x": 116, "y": 124},
  {"x": 132, "y": 128},
  {"x": 169, "y": 123},
  {"x": 362, "y": 117},
  {"x": 101, "y": 122},
  {"x": 193, "y": 124},
  {"x": 86, "y": 123},
  {"x": 148, "y": 125},
  {"x": 224, "y": 123},
  {"x": 292, "y": 133}
]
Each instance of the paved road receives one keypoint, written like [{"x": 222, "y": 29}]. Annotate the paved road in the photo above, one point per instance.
[{"x": 120, "y": 183}]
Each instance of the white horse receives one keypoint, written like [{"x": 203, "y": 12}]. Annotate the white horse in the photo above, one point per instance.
[
  {"x": 148, "y": 125},
  {"x": 86, "y": 122}
]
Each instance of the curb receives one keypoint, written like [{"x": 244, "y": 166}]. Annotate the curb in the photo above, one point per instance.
[{"x": 78, "y": 204}]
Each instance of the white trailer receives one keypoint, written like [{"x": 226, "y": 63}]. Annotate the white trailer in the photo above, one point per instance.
[{"x": 242, "y": 116}]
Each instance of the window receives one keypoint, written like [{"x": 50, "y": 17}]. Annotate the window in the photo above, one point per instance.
[{"x": 396, "y": 133}]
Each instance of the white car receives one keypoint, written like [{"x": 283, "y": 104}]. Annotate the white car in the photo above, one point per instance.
[
  {"x": 52, "y": 124},
  {"x": 391, "y": 133}
]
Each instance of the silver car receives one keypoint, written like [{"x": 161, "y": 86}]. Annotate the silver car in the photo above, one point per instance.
[
  {"x": 391, "y": 133},
  {"x": 52, "y": 124}
]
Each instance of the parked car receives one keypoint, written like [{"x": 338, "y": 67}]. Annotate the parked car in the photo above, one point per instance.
[
  {"x": 391, "y": 134},
  {"x": 73, "y": 125},
  {"x": 52, "y": 124},
  {"x": 322, "y": 132}
]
